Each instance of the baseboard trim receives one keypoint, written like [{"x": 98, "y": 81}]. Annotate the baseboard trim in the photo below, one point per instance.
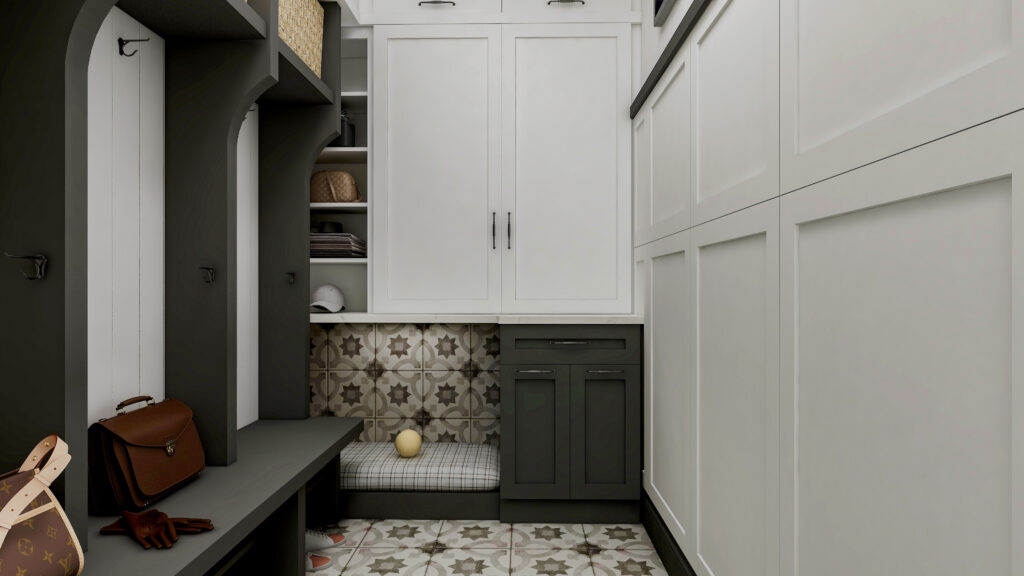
[
  {"x": 671, "y": 554},
  {"x": 571, "y": 511}
]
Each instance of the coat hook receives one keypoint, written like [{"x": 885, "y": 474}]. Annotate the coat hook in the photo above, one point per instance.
[
  {"x": 210, "y": 273},
  {"x": 121, "y": 43},
  {"x": 291, "y": 277},
  {"x": 38, "y": 259}
]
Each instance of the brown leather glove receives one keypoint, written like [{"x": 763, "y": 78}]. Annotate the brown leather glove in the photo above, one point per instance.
[{"x": 178, "y": 525}]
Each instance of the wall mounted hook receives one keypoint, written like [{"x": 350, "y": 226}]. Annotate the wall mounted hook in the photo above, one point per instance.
[
  {"x": 121, "y": 43},
  {"x": 210, "y": 274},
  {"x": 39, "y": 260},
  {"x": 291, "y": 277}
]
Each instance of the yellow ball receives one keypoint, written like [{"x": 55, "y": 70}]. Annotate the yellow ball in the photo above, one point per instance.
[{"x": 408, "y": 443}]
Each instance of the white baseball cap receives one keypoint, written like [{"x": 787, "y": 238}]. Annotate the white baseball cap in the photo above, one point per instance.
[{"x": 328, "y": 298}]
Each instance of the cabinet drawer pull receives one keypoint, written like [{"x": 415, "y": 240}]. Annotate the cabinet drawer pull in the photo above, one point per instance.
[
  {"x": 535, "y": 371},
  {"x": 604, "y": 371},
  {"x": 436, "y": 2},
  {"x": 494, "y": 228},
  {"x": 569, "y": 342},
  {"x": 550, "y": 2},
  {"x": 509, "y": 227}
]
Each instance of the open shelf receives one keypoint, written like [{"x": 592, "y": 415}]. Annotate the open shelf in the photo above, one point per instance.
[
  {"x": 354, "y": 101},
  {"x": 338, "y": 261},
  {"x": 335, "y": 155},
  {"x": 205, "y": 19},
  {"x": 297, "y": 83},
  {"x": 349, "y": 207}
]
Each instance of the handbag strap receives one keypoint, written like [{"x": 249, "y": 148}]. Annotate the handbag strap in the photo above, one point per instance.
[
  {"x": 334, "y": 193},
  {"x": 41, "y": 480}
]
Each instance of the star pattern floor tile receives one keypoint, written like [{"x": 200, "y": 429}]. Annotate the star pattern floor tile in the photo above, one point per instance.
[{"x": 489, "y": 548}]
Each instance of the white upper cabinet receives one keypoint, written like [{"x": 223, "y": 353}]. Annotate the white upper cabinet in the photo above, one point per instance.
[
  {"x": 864, "y": 80},
  {"x": 663, "y": 161},
  {"x": 566, "y": 169},
  {"x": 491, "y": 11},
  {"x": 436, "y": 171},
  {"x": 903, "y": 363},
  {"x": 735, "y": 58}
]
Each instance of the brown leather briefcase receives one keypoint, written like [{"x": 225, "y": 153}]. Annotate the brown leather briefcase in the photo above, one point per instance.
[{"x": 138, "y": 457}]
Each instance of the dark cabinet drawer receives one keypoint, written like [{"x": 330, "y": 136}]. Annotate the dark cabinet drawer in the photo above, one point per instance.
[{"x": 575, "y": 344}]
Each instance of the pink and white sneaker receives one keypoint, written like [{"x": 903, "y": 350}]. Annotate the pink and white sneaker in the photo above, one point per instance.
[
  {"x": 316, "y": 540},
  {"x": 316, "y": 563}
]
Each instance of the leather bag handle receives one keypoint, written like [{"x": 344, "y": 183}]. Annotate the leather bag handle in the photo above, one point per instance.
[{"x": 134, "y": 400}]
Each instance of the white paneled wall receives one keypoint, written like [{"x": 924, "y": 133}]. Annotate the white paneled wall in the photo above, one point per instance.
[
  {"x": 248, "y": 270},
  {"x": 834, "y": 378},
  {"x": 126, "y": 217}
]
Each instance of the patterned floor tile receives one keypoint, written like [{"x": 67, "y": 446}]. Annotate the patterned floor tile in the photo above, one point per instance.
[
  {"x": 446, "y": 395},
  {"x": 402, "y": 533},
  {"x": 399, "y": 394},
  {"x": 547, "y": 536},
  {"x": 550, "y": 563},
  {"x": 354, "y": 531},
  {"x": 618, "y": 536},
  {"x": 446, "y": 347},
  {"x": 351, "y": 346},
  {"x": 387, "y": 562},
  {"x": 477, "y": 534},
  {"x": 637, "y": 562},
  {"x": 485, "y": 346},
  {"x": 399, "y": 347},
  {"x": 485, "y": 395},
  {"x": 478, "y": 562}
]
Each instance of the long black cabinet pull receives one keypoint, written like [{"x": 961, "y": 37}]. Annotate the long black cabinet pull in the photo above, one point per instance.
[
  {"x": 494, "y": 230},
  {"x": 550, "y": 2},
  {"x": 534, "y": 371},
  {"x": 436, "y": 2},
  {"x": 569, "y": 342},
  {"x": 509, "y": 230},
  {"x": 604, "y": 371}
]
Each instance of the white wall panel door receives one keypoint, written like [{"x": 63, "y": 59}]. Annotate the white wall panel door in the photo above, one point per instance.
[
  {"x": 248, "y": 375},
  {"x": 735, "y": 264},
  {"x": 566, "y": 169},
  {"x": 126, "y": 217},
  {"x": 735, "y": 75},
  {"x": 671, "y": 411},
  {"x": 903, "y": 363},
  {"x": 436, "y": 169},
  {"x": 864, "y": 80},
  {"x": 671, "y": 173}
]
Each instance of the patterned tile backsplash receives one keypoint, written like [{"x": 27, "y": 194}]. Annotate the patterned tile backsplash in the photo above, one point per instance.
[{"x": 438, "y": 379}]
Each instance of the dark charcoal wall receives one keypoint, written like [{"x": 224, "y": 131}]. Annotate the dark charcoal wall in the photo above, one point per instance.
[{"x": 44, "y": 52}]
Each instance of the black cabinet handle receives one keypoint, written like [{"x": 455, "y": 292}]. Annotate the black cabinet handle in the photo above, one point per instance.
[
  {"x": 604, "y": 371},
  {"x": 535, "y": 371},
  {"x": 550, "y": 2},
  {"x": 436, "y": 2},
  {"x": 569, "y": 342},
  {"x": 509, "y": 220},
  {"x": 494, "y": 230}
]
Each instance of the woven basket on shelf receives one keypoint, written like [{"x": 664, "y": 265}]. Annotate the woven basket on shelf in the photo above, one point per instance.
[
  {"x": 333, "y": 186},
  {"x": 301, "y": 27}
]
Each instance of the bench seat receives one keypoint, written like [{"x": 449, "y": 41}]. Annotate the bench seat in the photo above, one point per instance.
[{"x": 439, "y": 467}]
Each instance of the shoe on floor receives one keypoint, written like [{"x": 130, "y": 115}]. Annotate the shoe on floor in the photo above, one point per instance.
[
  {"x": 316, "y": 563},
  {"x": 316, "y": 540}
]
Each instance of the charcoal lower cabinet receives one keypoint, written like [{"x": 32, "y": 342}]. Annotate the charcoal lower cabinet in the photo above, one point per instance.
[{"x": 572, "y": 414}]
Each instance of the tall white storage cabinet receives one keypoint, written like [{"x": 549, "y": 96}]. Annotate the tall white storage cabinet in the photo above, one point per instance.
[
  {"x": 437, "y": 149},
  {"x": 566, "y": 169},
  {"x": 502, "y": 171}
]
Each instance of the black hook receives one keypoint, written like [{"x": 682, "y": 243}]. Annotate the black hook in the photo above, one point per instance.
[
  {"x": 38, "y": 259},
  {"x": 211, "y": 273},
  {"x": 291, "y": 277},
  {"x": 121, "y": 43}
]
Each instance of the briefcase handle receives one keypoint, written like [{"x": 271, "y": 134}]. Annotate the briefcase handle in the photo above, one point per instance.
[{"x": 147, "y": 399}]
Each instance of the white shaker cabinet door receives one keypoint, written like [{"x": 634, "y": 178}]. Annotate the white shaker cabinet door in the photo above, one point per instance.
[
  {"x": 436, "y": 169},
  {"x": 903, "y": 363},
  {"x": 566, "y": 169},
  {"x": 864, "y": 80}
]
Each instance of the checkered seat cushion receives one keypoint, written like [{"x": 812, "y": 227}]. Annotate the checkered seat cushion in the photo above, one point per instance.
[{"x": 439, "y": 467}]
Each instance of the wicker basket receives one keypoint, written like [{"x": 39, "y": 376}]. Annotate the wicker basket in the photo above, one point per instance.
[
  {"x": 302, "y": 29},
  {"x": 333, "y": 186}
]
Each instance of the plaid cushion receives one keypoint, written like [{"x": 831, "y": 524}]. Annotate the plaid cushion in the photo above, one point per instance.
[{"x": 439, "y": 467}]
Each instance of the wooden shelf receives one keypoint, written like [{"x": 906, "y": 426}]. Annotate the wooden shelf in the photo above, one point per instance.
[
  {"x": 297, "y": 83},
  {"x": 347, "y": 207},
  {"x": 335, "y": 155},
  {"x": 315, "y": 261},
  {"x": 198, "y": 19}
]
